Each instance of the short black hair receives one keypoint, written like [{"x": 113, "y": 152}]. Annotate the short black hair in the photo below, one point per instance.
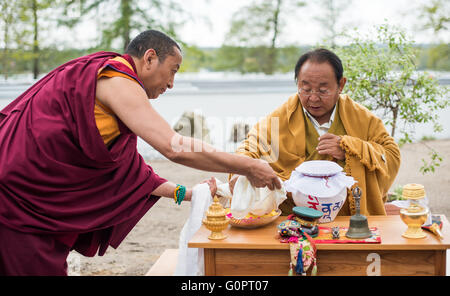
[
  {"x": 160, "y": 42},
  {"x": 321, "y": 55}
]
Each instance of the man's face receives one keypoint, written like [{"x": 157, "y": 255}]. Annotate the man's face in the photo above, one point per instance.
[
  {"x": 318, "y": 89},
  {"x": 158, "y": 77}
]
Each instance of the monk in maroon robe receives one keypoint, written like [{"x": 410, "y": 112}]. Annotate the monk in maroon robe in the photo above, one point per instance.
[{"x": 62, "y": 188}]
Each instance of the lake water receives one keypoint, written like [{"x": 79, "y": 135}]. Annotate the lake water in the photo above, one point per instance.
[{"x": 223, "y": 99}]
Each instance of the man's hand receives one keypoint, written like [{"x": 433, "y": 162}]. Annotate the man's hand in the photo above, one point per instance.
[
  {"x": 330, "y": 144},
  {"x": 212, "y": 185},
  {"x": 261, "y": 174}
]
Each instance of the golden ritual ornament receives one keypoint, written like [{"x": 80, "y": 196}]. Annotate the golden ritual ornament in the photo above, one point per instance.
[
  {"x": 416, "y": 214},
  {"x": 216, "y": 220}
]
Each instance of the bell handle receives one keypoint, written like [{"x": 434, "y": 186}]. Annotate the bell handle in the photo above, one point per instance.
[{"x": 356, "y": 192}]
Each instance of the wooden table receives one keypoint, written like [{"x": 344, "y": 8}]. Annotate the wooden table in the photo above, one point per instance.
[{"x": 259, "y": 252}]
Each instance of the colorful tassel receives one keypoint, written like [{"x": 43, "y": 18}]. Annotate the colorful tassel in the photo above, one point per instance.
[
  {"x": 299, "y": 267},
  {"x": 314, "y": 270}
]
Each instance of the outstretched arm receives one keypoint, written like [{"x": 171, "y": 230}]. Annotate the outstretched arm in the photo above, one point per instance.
[{"x": 130, "y": 103}]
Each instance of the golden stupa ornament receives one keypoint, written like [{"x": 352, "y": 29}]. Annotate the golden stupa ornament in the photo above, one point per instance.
[
  {"x": 416, "y": 214},
  {"x": 216, "y": 220}
]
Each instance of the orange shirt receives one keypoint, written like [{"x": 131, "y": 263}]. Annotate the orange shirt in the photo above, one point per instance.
[{"x": 104, "y": 117}]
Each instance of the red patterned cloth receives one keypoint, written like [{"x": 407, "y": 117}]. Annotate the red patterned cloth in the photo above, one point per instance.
[{"x": 325, "y": 237}]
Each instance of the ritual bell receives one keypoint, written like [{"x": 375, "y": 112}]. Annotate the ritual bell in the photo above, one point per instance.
[{"x": 359, "y": 227}]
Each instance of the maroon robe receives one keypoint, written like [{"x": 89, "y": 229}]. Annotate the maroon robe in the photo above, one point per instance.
[{"x": 57, "y": 177}]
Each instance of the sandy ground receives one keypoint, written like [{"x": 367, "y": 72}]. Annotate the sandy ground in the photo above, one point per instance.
[{"x": 159, "y": 229}]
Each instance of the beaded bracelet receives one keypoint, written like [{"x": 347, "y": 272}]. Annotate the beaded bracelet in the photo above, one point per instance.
[
  {"x": 179, "y": 193},
  {"x": 175, "y": 193}
]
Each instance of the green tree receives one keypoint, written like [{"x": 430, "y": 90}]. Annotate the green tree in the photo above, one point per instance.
[
  {"x": 195, "y": 59},
  {"x": 259, "y": 25},
  {"x": 438, "y": 57},
  {"x": 7, "y": 16},
  {"x": 36, "y": 7},
  {"x": 230, "y": 58},
  {"x": 436, "y": 15},
  {"x": 130, "y": 17},
  {"x": 330, "y": 12},
  {"x": 28, "y": 16},
  {"x": 382, "y": 75}
]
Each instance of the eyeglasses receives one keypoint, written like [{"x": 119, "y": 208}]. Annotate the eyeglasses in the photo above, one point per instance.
[{"x": 321, "y": 93}]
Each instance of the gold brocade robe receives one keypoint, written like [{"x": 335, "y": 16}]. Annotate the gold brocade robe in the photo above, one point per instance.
[{"x": 372, "y": 156}]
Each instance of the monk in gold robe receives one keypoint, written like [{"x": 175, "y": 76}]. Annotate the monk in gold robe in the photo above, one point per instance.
[{"x": 320, "y": 123}]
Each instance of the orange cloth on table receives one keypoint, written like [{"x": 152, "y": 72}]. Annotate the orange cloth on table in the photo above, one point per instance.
[{"x": 104, "y": 117}]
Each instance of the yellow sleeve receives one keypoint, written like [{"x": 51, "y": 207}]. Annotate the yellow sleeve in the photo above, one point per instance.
[
  {"x": 108, "y": 73},
  {"x": 380, "y": 153},
  {"x": 105, "y": 118}
]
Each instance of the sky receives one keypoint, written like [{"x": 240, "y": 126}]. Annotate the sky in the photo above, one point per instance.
[{"x": 210, "y": 21}]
